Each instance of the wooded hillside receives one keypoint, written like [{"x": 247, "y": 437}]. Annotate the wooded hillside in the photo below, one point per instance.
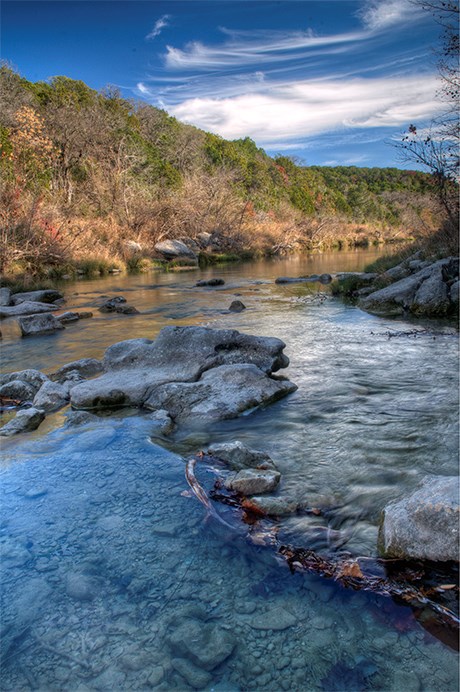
[{"x": 84, "y": 174}]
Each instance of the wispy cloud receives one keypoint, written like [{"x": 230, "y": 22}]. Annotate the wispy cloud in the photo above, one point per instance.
[
  {"x": 159, "y": 25},
  {"x": 304, "y": 109}
]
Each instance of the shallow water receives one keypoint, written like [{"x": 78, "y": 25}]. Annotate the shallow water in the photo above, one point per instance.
[{"x": 111, "y": 572}]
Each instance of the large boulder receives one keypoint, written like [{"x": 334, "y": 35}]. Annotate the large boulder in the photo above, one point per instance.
[
  {"x": 35, "y": 325},
  {"x": 173, "y": 249},
  {"x": 425, "y": 293},
  {"x": 190, "y": 372},
  {"x": 424, "y": 525},
  {"x": 47, "y": 295},
  {"x": 26, "y": 308}
]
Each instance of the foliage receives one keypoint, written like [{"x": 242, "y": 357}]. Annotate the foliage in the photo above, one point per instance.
[{"x": 103, "y": 170}]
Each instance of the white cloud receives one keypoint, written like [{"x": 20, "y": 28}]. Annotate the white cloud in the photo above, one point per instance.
[
  {"x": 160, "y": 24},
  {"x": 379, "y": 15},
  {"x": 286, "y": 111}
]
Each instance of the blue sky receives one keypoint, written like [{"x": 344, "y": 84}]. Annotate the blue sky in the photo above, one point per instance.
[{"x": 330, "y": 82}]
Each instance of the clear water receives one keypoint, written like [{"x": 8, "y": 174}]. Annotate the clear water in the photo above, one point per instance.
[{"x": 113, "y": 578}]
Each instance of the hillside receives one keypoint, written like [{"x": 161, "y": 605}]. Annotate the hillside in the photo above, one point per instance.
[{"x": 86, "y": 175}]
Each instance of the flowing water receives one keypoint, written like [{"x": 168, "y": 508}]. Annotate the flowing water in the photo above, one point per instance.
[{"x": 113, "y": 577}]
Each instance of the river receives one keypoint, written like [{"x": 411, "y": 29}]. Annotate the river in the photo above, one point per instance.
[{"x": 113, "y": 578}]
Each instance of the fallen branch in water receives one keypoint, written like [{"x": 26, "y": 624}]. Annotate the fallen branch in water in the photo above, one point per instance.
[{"x": 346, "y": 570}]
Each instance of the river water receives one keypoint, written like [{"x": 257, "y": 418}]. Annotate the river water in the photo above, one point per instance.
[{"x": 113, "y": 577}]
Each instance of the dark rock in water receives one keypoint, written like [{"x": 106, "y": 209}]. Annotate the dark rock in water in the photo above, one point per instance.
[
  {"x": 293, "y": 280},
  {"x": 325, "y": 278},
  {"x": 253, "y": 481},
  {"x": 237, "y": 306},
  {"x": 34, "y": 325},
  {"x": 127, "y": 310},
  {"x": 112, "y": 305},
  {"x": 210, "y": 282},
  {"x": 341, "y": 677}
]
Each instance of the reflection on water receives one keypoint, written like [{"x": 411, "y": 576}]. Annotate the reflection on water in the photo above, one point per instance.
[{"x": 112, "y": 578}]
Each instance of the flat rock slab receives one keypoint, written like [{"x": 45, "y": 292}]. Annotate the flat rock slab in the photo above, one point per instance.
[
  {"x": 34, "y": 325},
  {"x": 221, "y": 393},
  {"x": 47, "y": 295},
  {"x": 204, "y": 644},
  {"x": 190, "y": 373},
  {"x": 424, "y": 525},
  {"x": 26, "y": 308}
]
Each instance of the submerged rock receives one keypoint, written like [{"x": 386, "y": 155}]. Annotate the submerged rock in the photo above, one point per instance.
[
  {"x": 275, "y": 506},
  {"x": 204, "y": 644},
  {"x": 273, "y": 619},
  {"x": 424, "y": 525},
  {"x": 253, "y": 481},
  {"x": 237, "y": 456},
  {"x": 210, "y": 282}
]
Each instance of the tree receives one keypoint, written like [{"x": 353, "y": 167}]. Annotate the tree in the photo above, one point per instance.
[{"x": 436, "y": 148}]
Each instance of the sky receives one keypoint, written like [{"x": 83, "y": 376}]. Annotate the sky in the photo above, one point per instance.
[{"x": 328, "y": 82}]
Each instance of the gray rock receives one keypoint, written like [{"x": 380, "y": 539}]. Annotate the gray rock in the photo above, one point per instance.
[
  {"x": 194, "y": 676},
  {"x": 51, "y": 396},
  {"x": 204, "y": 644},
  {"x": 204, "y": 239},
  {"x": 424, "y": 525},
  {"x": 454, "y": 292},
  {"x": 238, "y": 456},
  {"x": 47, "y": 295},
  {"x": 185, "y": 372},
  {"x": 31, "y": 376},
  {"x": 27, "y": 308},
  {"x": 237, "y": 306},
  {"x": 81, "y": 418},
  {"x": 275, "y": 506},
  {"x": 18, "y": 389},
  {"x": 253, "y": 481},
  {"x": 5, "y": 296},
  {"x": 25, "y": 421},
  {"x": 35, "y": 325},
  {"x": 364, "y": 277},
  {"x": 70, "y": 316},
  {"x": 221, "y": 393},
  {"x": 432, "y": 298},
  {"x": 274, "y": 619},
  {"x": 162, "y": 421},
  {"x": 325, "y": 278},
  {"x": 86, "y": 367},
  {"x": 400, "y": 271},
  {"x": 174, "y": 347},
  {"x": 423, "y": 293},
  {"x": 127, "y": 310},
  {"x": 171, "y": 249}
]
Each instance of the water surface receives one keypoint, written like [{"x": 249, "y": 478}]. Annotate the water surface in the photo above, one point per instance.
[{"x": 110, "y": 569}]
